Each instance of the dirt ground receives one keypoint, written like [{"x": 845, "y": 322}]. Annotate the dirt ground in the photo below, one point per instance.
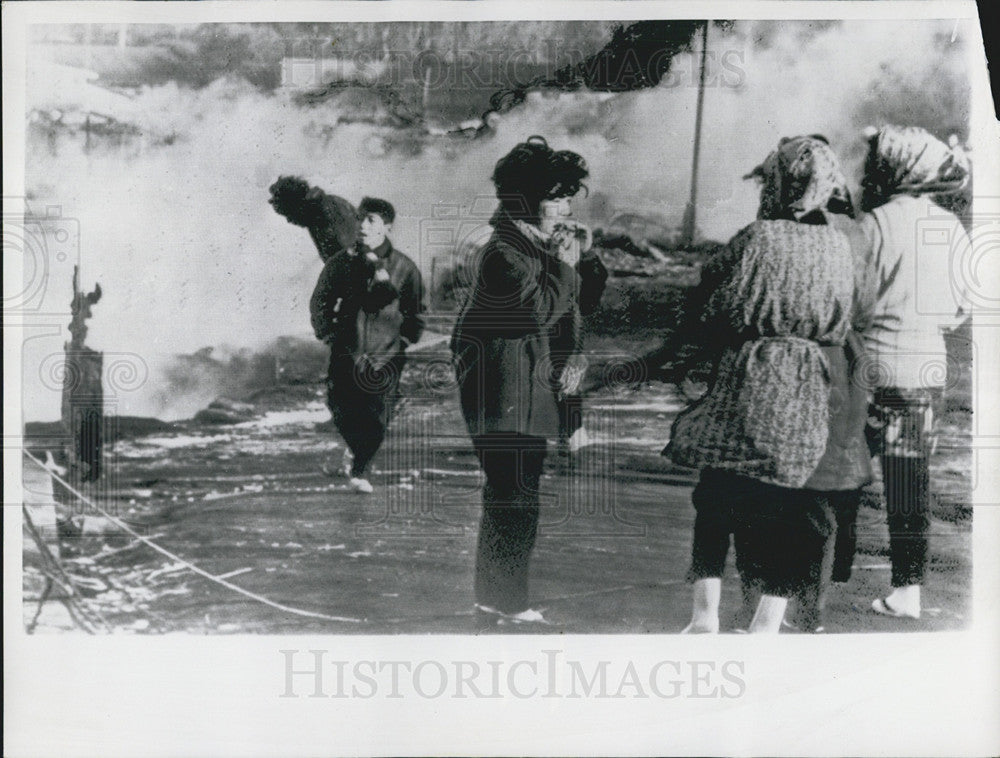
[{"x": 249, "y": 502}]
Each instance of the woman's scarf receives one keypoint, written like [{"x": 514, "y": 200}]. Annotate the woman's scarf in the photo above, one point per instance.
[
  {"x": 801, "y": 176},
  {"x": 567, "y": 242},
  {"x": 911, "y": 160}
]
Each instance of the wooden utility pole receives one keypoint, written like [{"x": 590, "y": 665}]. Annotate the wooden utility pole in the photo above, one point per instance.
[
  {"x": 426, "y": 99},
  {"x": 688, "y": 229}
]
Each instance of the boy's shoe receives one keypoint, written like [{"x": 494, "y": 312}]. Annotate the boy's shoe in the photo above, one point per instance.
[{"x": 360, "y": 484}]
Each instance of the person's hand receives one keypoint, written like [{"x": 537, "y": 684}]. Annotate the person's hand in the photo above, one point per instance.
[
  {"x": 381, "y": 275},
  {"x": 569, "y": 240},
  {"x": 565, "y": 246},
  {"x": 572, "y": 374}
]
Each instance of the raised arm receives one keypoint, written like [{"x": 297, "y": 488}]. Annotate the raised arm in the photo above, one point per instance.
[
  {"x": 333, "y": 223},
  {"x": 330, "y": 220}
]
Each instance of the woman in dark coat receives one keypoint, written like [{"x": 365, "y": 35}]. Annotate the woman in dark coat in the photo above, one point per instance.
[{"x": 524, "y": 298}]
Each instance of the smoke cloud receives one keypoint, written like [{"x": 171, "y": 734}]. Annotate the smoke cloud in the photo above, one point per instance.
[{"x": 189, "y": 254}]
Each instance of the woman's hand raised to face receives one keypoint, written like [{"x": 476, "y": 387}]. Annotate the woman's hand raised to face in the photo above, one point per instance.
[{"x": 570, "y": 240}]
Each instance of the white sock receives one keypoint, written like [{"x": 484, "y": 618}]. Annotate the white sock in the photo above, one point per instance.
[
  {"x": 905, "y": 599},
  {"x": 770, "y": 612},
  {"x": 707, "y": 594}
]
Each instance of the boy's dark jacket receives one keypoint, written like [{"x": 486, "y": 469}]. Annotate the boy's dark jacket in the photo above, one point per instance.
[{"x": 359, "y": 316}]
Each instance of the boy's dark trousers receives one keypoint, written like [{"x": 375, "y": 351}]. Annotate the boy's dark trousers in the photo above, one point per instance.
[{"x": 363, "y": 401}]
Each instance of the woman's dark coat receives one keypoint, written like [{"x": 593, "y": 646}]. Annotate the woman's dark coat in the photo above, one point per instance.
[{"x": 522, "y": 298}]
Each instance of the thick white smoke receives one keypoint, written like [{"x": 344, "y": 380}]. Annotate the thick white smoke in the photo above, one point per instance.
[{"x": 189, "y": 253}]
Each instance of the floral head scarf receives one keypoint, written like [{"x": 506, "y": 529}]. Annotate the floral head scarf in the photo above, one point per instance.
[
  {"x": 911, "y": 160},
  {"x": 801, "y": 176}
]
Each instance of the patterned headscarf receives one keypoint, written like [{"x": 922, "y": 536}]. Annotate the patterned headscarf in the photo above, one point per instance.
[
  {"x": 803, "y": 175},
  {"x": 911, "y": 160}
]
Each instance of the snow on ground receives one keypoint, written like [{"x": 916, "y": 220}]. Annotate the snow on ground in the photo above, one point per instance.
[{"x": 311, "y": 414}]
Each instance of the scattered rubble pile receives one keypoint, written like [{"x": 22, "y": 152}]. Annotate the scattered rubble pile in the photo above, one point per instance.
[
  {"x": 631, "y": 247},
  {"x": 624, "y": 257}
]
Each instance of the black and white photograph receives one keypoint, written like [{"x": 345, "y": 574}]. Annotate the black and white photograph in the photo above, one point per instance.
[{"x": 504, "y": 330}]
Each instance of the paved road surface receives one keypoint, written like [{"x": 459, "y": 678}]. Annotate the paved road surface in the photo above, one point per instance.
[{"x": 610, "y": 558}]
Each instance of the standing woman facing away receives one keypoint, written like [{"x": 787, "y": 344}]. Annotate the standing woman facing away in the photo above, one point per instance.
[
  {"x": 523, "y": 301},
  {"x": 911, "y": 180},
  {"x": 779, "y": 437}
]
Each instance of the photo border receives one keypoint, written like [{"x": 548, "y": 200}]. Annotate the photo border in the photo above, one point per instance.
[{"x": 875, "y": 694}]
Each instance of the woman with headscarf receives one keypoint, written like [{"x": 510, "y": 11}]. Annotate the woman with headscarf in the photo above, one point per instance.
[
  {"x": 778, "y": 437},
  {"x": 509, "y": 368},
  {"x": 910, "y": 181}
]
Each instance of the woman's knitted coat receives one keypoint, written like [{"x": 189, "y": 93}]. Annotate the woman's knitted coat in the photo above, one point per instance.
[{"x": 781, "y": 316}]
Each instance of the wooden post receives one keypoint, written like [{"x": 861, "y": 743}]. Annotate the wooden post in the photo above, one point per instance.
[
  {"x": 427, "y": 90},
  {"x": 689, "y": 229},
  {"x": 83, "y": 395}
]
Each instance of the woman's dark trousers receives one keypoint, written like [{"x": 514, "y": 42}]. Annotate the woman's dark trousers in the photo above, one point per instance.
[{"x": 513, "y": 467}]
